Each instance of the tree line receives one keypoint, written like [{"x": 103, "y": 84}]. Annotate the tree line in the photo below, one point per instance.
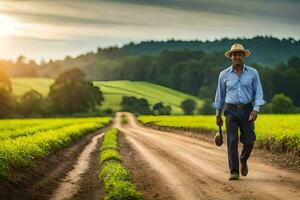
[
  {"x": 191, "y": 70},
  {"x": 196, "y": 73}
]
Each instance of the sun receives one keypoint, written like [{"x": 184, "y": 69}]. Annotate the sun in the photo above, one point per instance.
[{"x": 8, "y": 25}]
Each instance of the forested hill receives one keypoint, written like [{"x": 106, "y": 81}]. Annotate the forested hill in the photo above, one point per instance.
[
  {"x": 192, "y": 71},
  {"x": 265, "y": 50}
]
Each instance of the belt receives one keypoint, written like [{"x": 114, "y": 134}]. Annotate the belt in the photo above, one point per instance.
[{"x": 239, "y": 106}]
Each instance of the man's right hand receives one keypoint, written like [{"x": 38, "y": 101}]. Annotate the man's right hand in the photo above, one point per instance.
[{"x": 219, "y": 120}]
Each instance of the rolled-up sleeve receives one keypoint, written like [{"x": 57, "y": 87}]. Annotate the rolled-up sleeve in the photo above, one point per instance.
[
  {"x": 220, "y": 94},
  {"x": 258, "y": 92}
]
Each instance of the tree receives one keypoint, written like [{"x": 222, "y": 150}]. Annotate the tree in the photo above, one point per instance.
[
  {"x": 267, "y": 108},
  {"x": 135, "y": 105},
  {"x": 160, "y": 109},
  {"x": 5, "y": 83},
  {"x": 21, "y": 59},
  {"x": 207, "y": 109},
  {"x": 107, "y": 112},
  {"x": 128, "y": 103},
  {"x": 206, "y": 92},
  {"x": 32, "y": 104},
  {"x": 286, "y": 80},
  {"x": 71, "y": 93},
  {"x": 188, "y": 106},
  {"x": 294, "y": 62},
  {"x": 282, "y": 104},
  {"x": 7, "y": 103},
  {"x": 94, "y": 94},
  {"x": 143, "y": 107},
  {"x": 6, "y": 98}
]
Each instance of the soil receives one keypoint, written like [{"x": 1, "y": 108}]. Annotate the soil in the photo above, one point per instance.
[
  {"x": 184, "y": 167},
  {"x": 43, "y": 178},
  {"x": 164, "y": 164}
]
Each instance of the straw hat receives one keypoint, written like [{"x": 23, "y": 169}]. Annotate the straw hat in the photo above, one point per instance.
[{"x": 235, "y": 48}]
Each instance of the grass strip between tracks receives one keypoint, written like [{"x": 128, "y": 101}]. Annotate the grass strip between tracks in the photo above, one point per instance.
[{"x": 115, "y": 177}]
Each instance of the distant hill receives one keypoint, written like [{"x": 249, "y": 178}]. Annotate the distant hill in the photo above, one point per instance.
[
  {"x": 114, "y": 90},
  {"x": 22, "y": 85},
  {"x": 191, "y": 67},
  {"x": 265, "y": 50}
]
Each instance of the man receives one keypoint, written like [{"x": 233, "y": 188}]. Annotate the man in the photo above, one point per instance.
[{"x": 239, "y": 87}]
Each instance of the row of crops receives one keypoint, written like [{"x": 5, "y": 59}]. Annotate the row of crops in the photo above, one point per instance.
[
  {"x": 274, "y": 132},
  {"x": 114, "y": 175},
  {"x": 26, "y": 140}
]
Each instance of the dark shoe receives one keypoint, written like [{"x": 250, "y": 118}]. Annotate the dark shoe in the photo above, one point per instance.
[
  {"x": 234, "y": 176},
  {"x": 244, "y": 169}
]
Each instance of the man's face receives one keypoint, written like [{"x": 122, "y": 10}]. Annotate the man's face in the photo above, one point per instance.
[{"x": 237, "y": 58}]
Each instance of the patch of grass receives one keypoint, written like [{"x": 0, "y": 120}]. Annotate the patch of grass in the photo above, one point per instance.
[
  {"x": 110, "y": 141},
  {"x": 115, "y": 176},
  {"x": 22, "y": 85},
  {"x": 113, "y": 172},
  {"x": 110, "y": 154},
  {"x": 124, "y": 119}
]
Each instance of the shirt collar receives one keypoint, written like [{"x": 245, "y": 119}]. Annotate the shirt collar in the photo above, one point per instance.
[{"x": 244, "y": 68}]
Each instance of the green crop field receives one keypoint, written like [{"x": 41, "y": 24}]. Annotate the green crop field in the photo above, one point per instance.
[
  {"x": 24, "y": 140},
  {"x": 281, "y": 132},
  {"x": 114, "y": 90}
]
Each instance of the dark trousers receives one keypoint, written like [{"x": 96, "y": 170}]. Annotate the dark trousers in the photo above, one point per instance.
[{"x": 238, "y": 118}]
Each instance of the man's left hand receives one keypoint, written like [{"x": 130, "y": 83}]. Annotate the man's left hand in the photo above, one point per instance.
[{"x": 252, "y": 116}]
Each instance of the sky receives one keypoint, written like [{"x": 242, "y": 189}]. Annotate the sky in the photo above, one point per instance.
[{"x": 56, "y": 29}]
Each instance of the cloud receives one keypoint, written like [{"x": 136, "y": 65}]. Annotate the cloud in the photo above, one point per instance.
[
  {"x": 81, "y": 25},
  {"x": 281, "y": 10}
]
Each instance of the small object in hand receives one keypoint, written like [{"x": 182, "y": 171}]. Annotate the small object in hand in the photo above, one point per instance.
[
  {"x": 218, "y": 137},
  {"x": 252, "y": 116}
]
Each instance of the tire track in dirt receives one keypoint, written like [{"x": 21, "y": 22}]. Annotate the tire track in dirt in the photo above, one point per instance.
[
  {"x": 146, "y": 179},
  {"x": 214, "y": 158},
  {"x": 70, "y": 184},
  {"x": 202, "y": 185},
  {"x": 201, "y": 169},
  {"x": 40, "y": 180}
]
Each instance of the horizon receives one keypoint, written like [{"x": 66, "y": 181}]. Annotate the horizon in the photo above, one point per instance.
[
  {"x": 27, "y": 59},
  {"x": 44, "y": 30}
]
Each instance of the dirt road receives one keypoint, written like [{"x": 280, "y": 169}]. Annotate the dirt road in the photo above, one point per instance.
[
  {"x": 164, "y": 165},
  {"x": 195, "y": 169}
]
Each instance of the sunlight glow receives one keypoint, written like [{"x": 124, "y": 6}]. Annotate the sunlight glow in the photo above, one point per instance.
[{"x": 8, "y": 25}]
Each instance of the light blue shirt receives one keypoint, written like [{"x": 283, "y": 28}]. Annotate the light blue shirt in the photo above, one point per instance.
[{"x": 235, "y": 89}]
